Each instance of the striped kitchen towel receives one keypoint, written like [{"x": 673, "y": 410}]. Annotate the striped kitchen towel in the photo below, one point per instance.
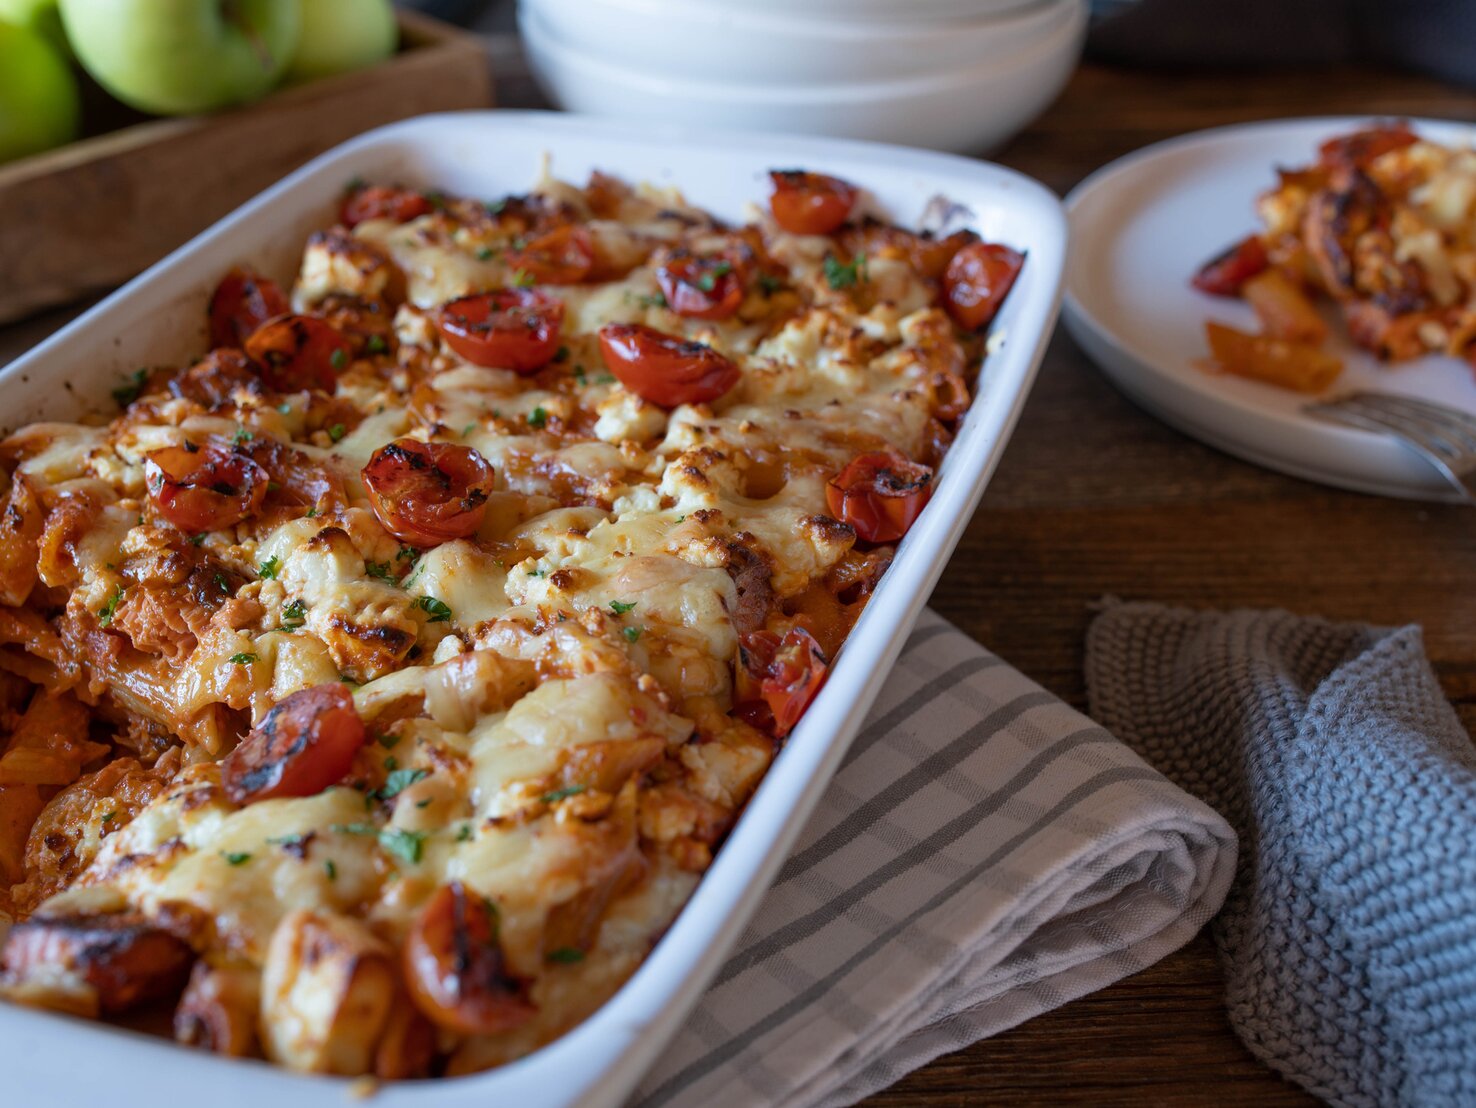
[{"x": 985, "y": 854}]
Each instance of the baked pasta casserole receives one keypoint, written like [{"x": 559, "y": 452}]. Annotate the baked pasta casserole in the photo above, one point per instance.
[
  {"x": 1382, "y": 226},
  {"x": 376, "y": 689}
]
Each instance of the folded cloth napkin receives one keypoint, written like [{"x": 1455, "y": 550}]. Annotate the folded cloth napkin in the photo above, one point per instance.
[
  {"x": 984, "y": 854},
  {"x": 1349, "y": 939}
]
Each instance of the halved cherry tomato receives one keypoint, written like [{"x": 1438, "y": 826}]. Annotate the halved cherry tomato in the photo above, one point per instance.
[
  {"x": 1227, "y": 272},
  {"x": 241, "y": 303},
  {"x": 810, "y": 203},
  {"x": 427, "y": 493},
  {"x": 777, "y": 678},
  {"x": 204, "y": 488},
  {"x": 516, "y": 329},
  {"x": 381, "y": 202},
  {"x": 701, "y": 287},
  {"x": 977, "y": 281},
  {"x": 304, "y": 744},
  {"x": 563, "y": 256},
  {"x": 455, "y": 968},
  {"x": 1358, "y": 149},
  {"x": 298, "y": 352},
  {"x": 880, "y": 494},
  {"x": 664, "y": 369},
  {"x": 215, "y": 379}
]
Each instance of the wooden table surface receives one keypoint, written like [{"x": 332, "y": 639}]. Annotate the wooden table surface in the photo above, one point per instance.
[{"x": 1094, "y": 497}]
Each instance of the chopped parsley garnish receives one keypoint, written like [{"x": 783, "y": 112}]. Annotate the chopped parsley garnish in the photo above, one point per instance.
[
  {"x": 769, "y": 283},
  {"x": 400, "y": 780},
  {"x": 579, "y": 375},
  {"x": 127, "y": 394},
  {"x": 423, "y": 803},
  {"x": 562, "y": 354},
  {"x": 385, "y": 571},
  {"x": 840, "y": 276},
  {"x": 537, "y": 417},
  {"x": 522, "y": 279},
  {"x": 605, "y": 379},
  {"x": 619, "y": 607},
  {"x": 681, "y": 518},
  {"x": 468, "y": 429},
  {"x": 567, "y": 955},
  {"x": 438, "y": 610},
  {"x": 464, "y": 833},
  {"x": 391, "y": 763},
  {"x": 108, "y": 816},
  {"x": 288, "y": 840},
  {"x": 245, "y": 658},
  {"x": 236, "y": 858},
  {"x": 339, "y": 358},
  {"x": 337, "y": 431},
  {"x": 267, "y": 571},
  {"x": 563, "y": 794},
  {"x": 495, "y": 206},
  {"x": 284, "y": 409},
  {"x": 310, "y": 513},
  {"x": 195, "y": 540},
  {"x": 389, "y": 742},
  {"x": 105, "y": 613},
  {"x": 655, "y": 300},
  {"x": 242, "y": 436},
  {"x": 408, "y": 845},
  {"x": 376, "y": 344},
  {"x": 486, "y": 254},
  {"x": 708, "y": 281},
  {"x": 354, "y": 828},
  {"x": 330, "y": 869},
  {"x": 222, "y": 584},
  {"x": 294, "y": 615},
  {"x": 632, "y": 633}
]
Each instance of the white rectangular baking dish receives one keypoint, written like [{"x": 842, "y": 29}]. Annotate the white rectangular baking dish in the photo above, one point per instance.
[{"x": 159, "y": 319}]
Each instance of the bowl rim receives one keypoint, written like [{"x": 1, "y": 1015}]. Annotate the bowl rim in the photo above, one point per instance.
[{"x": 1065, "y": 37}]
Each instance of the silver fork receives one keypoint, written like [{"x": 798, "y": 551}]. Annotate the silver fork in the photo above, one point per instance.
[{"x": 1444, "y": 437}]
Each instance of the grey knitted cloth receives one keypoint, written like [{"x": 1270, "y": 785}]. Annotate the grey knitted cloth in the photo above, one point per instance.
[{"x": 1349, "y": 936}]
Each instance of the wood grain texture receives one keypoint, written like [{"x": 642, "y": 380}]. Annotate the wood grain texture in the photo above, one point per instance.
[
  {"x": 88, "y": 216},
  {"x": 1094, "y": 497}
]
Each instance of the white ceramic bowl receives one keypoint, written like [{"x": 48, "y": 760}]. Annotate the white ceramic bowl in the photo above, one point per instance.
[
  {"x": 885, "y": 10},
  {"x": 969, "y": 110},
  {"x": 708, "y": 42}
]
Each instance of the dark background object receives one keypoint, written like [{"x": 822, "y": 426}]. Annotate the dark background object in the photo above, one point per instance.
[{"x": 1437, "y": 37}]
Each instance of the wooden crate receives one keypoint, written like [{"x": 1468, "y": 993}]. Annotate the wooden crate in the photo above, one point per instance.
[{"x": 88, "y": 216}]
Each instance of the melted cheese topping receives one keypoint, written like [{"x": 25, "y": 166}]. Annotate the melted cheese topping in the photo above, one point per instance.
[{"x": 551, "y": 697}]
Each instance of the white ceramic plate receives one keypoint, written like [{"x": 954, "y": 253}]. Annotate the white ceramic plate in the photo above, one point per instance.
[
  {"x": 1144, "y": 224},
  {"x": 159, "y": 318}
]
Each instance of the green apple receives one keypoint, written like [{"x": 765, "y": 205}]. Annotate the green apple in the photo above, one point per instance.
[
  {"x": 39, "y": 105},
  {"x": 178, "y": 57},
  {"x": 339, "y": 35},
  {"x": 41, "y": 16}
]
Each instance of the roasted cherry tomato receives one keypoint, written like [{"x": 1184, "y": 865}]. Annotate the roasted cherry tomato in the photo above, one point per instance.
[
  {"x": 242, "y": 302},
  {"x": 298, "y": 352},
  {"x": 380, "y": 202},
  {"x": 1227, "y": 272},
  {"x": 701, "y": 287},
  {"x": 124, "y": 959},
  {"x": 427, "y": 493},
  {"x": 516, "y": 329},
  {"x": 204, "y": 488},
  {"x": 563, "y": 256},
  {"x": 777, "y": 678},
  {"x": 1359, "y": 149},
  {"x": 880, "y": 494},
  {"x": 977, "y": 281},
  {"x": 215, "y": 380},
  {"x": 455, "y": 968},
  {"x": 810, "y": 203},
  {"x": 305, "y": 743},
  {"x": 664, "y": 369}
]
